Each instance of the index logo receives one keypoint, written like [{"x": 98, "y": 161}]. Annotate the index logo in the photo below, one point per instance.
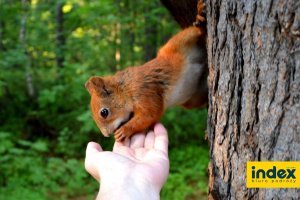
[{"x": 273, "y": 174}]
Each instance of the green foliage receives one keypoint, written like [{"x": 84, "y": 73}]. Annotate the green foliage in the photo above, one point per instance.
[
  {"x": 28, "y": 171},
  {"x": 43, "y": 137},
  {"x": 188, "y": 153}
]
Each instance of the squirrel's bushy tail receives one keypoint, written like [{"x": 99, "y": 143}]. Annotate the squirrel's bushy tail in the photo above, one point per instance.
[{"x": 183, "y": 11}]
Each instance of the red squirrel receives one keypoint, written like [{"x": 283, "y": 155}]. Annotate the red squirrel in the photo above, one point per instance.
[{"x": 133, "y": 99}]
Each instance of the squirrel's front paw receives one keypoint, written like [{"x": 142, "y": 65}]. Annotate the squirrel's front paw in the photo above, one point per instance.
[{"x": 122, "y": 134}]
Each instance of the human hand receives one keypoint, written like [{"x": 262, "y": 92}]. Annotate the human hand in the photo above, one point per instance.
[{"x": 135, "y": 170}]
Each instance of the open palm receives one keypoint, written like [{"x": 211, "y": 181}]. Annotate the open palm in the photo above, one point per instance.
[{"x": 144, "y": 159}]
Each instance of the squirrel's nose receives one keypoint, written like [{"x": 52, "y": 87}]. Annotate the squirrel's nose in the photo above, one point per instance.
[{"x": 106, "y": 132}]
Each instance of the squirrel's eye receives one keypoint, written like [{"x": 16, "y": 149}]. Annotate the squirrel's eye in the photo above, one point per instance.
[{"x": 104, "y": 113}]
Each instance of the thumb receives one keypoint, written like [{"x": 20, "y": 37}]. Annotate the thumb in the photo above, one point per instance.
[{"x": 93, "y": 148}]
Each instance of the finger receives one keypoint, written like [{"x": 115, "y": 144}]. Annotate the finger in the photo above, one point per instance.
[
  {"x": 92, "y": 168},
  {"x": 127, "y": 142},
  {"x": 93, "y": 148},
  {"x": 161, "y": 138},
  {"x": 137, "y": 140},
  {"x": 149, "y": 141},
  {"x": 118, "y": 145}
]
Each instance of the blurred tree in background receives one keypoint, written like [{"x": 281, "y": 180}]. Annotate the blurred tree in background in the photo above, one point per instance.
[{"x": 48, "y": 50}]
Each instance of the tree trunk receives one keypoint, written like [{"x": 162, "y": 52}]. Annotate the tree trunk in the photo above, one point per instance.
[
  {"x": 60, "y": 38},
  {"x": 129, "y": 34},
  {"x": 254, "y": 92},
  {"x": 30, "y": 87},
  {"x": 2, "y": 34},
  {"x": 150, "y": 45}
]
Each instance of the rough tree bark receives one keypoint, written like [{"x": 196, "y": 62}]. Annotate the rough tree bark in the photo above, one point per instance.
[{"x": 254, "y": 92}]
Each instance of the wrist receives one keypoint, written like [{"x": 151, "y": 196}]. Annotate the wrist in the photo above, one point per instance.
[{"x": 127, "y": 188}]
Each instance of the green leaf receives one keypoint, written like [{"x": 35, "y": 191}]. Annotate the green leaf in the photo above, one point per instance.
[{"x": 40, "y": 146}]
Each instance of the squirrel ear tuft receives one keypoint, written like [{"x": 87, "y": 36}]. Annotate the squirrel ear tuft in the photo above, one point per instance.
[{"x": 95, "y": 83}]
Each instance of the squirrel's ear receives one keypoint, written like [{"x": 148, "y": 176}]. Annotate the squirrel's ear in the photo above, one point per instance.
[{"x": 95, "y": 83}]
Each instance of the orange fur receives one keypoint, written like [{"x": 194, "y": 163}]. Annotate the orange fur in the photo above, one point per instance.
[{"x": 138, "y": 96}]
